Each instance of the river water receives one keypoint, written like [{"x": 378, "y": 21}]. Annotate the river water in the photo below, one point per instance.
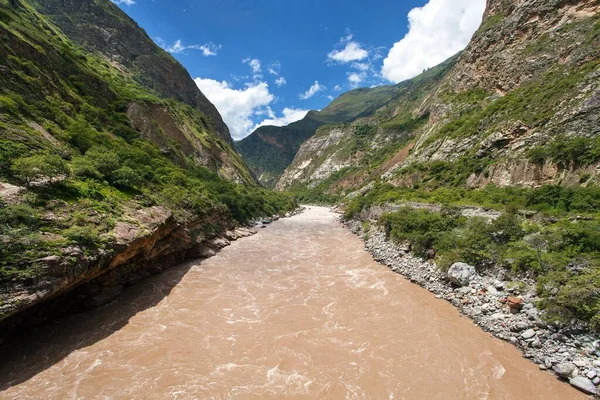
[{"x": 299, "y": 310}]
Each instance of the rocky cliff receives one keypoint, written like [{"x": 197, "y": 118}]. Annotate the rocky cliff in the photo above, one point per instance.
[{"x": 520, "y": 107}]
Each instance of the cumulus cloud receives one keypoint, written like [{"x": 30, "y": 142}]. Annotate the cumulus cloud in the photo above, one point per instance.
[
  {"x": 126, "y": 2},
  {"x": 352, "y": 52},
  {"x": 289, "y": 115},
  {"x": 237, "y": 106},
  {"x": 437, "y": 31},
  {"x": 208, "y": 49},
  {"x": 280, "y": 81},
  {"x": 314, "y": 89}
]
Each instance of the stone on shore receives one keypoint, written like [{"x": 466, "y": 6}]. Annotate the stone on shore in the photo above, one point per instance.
[
  {"x": 528, "y": 334},
  {"x": 515, "y": 303},
  {"x": 583, "y": 384},
  {"x": 461, "y": 274},
  {"x": 564, "y": 370}
]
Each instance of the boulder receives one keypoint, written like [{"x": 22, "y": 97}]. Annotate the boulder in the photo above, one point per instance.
[
  {"x": 564, "y": 370},
  {"x": 461, "y": 274},
  {"x": 515, "y": 303},
  {"x": 583, "y": 384},
  {"x": 528, "y": 334}
]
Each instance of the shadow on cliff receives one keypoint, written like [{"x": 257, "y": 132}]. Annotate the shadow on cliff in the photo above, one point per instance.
[{"x": 30, "y": 351}]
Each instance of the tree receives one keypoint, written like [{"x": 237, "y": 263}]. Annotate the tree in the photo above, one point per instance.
[
  {"x": 38, "y": 167},
  {"x": 27, "y": 169}
]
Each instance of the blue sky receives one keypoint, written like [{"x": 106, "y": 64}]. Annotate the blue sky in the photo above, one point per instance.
[{"x": 270, "y": 61}]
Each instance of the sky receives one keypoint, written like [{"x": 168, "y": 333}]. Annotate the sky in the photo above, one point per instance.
[{"x": 267, "y": 62}]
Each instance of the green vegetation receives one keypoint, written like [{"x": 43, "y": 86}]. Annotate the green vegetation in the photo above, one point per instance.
[
  {"x": 491, "y": 22},
  {"x": 551, "y": 200},
  {"x": 579, "y": 151},
  {"x": 37, "y": 167}
]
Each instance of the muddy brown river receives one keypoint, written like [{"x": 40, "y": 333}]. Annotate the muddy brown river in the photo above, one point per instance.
[{"x": 299, "y": 310}]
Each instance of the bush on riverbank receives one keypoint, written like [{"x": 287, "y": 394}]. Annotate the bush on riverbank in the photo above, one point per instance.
[{"x": 554, "y": 200}]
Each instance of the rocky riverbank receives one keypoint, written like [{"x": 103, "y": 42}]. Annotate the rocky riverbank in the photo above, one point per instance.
[{"x": 500, "y": 306}]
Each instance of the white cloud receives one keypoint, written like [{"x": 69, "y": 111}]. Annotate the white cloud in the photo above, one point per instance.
[
  {"x": 126, "y": 2},
  {"x": 355, "y": 78},
  {"x": 337, "y": 88},
  {"x": 237, "y": 106},
  {"x": 289, "y": 115},
  {"x": 208, "y": 49},
  {"x": 280, "y": 81},
  {"x": 361, "y": 66},
  {"x": 437, "y": 31},
  {"x": 352, "y": 52},
  {"x": 314, "y": 89},
  {"x": 274, "y": 68},
  {"x": 254, "y": 63}
]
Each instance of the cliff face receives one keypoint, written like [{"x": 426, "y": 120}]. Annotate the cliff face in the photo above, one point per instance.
[{"x": 519, "y": 108}]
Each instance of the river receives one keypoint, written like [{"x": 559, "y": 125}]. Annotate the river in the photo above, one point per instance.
[{"x": 299, "y": 310}]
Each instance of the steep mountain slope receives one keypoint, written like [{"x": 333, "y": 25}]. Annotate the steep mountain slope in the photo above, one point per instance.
[
  {"x": 519, "y": 108},
  {"x": 269, "y": 149},
  {"x": 113, "y": 166},
  {"x": 362, "y": 148}
]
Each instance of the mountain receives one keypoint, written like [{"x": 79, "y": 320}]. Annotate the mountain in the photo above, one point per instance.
[
  {"x": 156, "y": 94},
  {"x": 519, "y": 107},
  {"x": 270, "y": 149},
  {"x": 113, "y": 164}
]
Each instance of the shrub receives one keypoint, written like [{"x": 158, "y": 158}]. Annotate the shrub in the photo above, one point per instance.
[
  {"x": 423, "y": 229},
  {"x": 126, "y": 177},
  {"x": 83, "y": 167}
]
